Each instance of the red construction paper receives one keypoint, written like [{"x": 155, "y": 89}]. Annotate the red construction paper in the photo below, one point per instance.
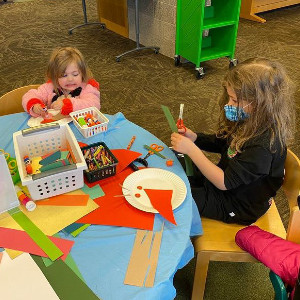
[
  {"x": 21, "y": 241},
  {"x": 116, "y": 211},
  {"x": 48, "y": 121},
  {"x": 65, "y": 200},
  {"x": 161, "y": 201},
  {"x": 125, "y": 157}
]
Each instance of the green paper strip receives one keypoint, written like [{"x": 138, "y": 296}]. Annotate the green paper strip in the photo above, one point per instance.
[
  {"x": 66, "y": 284},
  {"x": 36, "y": 234},
  {"x": 188, "y": 162},
  {"x": 69, "y": 261},
  {"x": 79, "y": 230}
]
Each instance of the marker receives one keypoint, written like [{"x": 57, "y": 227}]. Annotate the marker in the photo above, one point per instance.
[{"x": 24, "y": 199}]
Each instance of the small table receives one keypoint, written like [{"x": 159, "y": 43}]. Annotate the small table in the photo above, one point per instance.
[{"x": 109, "y": 247}]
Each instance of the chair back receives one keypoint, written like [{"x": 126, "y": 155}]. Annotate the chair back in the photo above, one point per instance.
[
  {"x": 291, "y": 187},
  {"x": 11, "y": 102}
]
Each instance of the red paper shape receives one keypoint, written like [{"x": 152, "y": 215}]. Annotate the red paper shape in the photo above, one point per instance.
[
  {"x": 125, "y": 157},
  {"x": 116, "y": 211},
  {"x": 48, "y": 121},
  {"x": 161, "y": 201},
  {"x": 21, "y": 241},
  {"x": 65, "y": 200}
]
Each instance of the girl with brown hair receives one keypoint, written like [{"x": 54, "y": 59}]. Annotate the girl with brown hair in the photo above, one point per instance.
[{"x": 255, "y": 125}]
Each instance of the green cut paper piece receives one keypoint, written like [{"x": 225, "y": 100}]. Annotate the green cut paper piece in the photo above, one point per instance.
[
  {"x": 66, "y": 284},
  {"x": 94, "y": 192},
  {"x": 69, "y": 261},
  {"x": 36, "y": 234},
  {"x": 188, "y": 162},
  {"x": 79, "y": 230}
]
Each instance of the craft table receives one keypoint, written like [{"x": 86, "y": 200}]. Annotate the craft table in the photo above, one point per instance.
[{"x": 102, "y": 253}]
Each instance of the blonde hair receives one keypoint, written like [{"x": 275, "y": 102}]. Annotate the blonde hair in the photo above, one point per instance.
[
  {"x": 59, "y": 61},
  {"x": 265, "y": 85}
]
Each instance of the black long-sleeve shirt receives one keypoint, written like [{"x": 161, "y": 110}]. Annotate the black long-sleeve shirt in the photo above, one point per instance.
[{"x": 251, "y": 177}]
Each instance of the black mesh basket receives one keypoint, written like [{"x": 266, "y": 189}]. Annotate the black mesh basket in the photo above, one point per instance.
[{"x": 98, "y": 167}]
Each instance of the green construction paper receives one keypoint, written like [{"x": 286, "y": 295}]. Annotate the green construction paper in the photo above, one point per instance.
[
  {"x": 94, "y": 192},
  {"x": 66, "y": 284},
  {"x": 188, "y": 162},
  {"x": 80, "y": 229},
  {"x": 36, "y": 234},
  {"x": 50, "y": 158}
]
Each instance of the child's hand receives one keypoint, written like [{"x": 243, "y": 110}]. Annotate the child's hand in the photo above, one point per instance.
[
  {"x": 58, "y": 104},
  {"x": 188, "y": 133},
  {"x": 40, "y": 110},
  {"x": 181, "y": 143}
]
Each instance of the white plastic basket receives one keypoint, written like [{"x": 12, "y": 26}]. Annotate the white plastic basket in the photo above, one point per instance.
[
  {"x": 93, "y": 130},
  {"x": 42, "y": 140}
]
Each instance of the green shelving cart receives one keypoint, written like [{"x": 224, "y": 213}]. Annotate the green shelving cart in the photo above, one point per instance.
[{"x": 206, "y": 30}]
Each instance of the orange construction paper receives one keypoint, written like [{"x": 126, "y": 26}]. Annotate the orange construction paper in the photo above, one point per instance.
[
  {"x": 161, "y": 201},
  {"x": 116, "y": 211},
  {"x": 21, "y": 241},
  {"x": 65, "y": 200},
  {"x": 48, "y": 121}
]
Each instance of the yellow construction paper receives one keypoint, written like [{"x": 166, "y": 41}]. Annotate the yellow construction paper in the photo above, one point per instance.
[{"x": 50, "y": 219}]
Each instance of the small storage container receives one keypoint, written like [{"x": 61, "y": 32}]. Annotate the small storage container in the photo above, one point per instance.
[
  {"x": 92, "y": 130},
  {"x": 40, "y": 141},
  {"x": 101, "y": 171}
]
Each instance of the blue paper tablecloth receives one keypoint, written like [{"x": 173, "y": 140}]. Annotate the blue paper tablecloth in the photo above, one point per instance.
[{"x": 102, "y": 253}]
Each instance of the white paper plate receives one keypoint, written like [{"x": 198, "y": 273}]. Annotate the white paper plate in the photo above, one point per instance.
[
  {"x": 153, "y": 178},
  {"x": 32, "y": 122}
]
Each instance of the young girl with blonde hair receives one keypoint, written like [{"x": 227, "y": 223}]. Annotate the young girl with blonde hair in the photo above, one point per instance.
[
  {"x": 70, "y": 85},
  {"x": 255, "y": 124}
]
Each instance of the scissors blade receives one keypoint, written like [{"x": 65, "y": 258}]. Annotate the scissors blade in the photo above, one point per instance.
[{"x": 181, "y": 111}]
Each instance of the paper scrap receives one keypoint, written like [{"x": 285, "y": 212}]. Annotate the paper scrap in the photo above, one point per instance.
[
  {"x": 43, "y": 242},
  {"x": 21, "y": 278},
  {"x": 65, "y": 200},
  {"x": 94, "y": 192}
]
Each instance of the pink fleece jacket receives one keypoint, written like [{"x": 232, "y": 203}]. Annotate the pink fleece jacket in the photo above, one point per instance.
[
  {"x": 281, "y": 256},
  {"x": 89, "y": 96}
]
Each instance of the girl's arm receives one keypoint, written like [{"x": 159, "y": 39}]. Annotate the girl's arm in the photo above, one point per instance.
[
  {"x": 187, "y": 146},
  {"x": 34, "y": 97}
]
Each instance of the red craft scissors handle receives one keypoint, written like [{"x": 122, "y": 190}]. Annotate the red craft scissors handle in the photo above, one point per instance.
[{"x": 156, "y": 148}]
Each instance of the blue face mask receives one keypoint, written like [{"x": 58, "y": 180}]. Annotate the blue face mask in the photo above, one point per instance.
[{"x": 235, "y": 114}]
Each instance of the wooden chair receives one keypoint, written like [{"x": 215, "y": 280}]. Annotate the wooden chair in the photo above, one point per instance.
[
  {"x": 218, "y": 240},
  {"x": 11, "y": 102}
]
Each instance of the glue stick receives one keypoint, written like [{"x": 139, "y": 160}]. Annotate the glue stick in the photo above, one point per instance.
[{"x": 24, "y": 199}]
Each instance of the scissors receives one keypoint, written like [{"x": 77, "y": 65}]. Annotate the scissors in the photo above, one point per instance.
[
  {"x": 179, "y": 123},
  {"x": 155, "y": 148}
]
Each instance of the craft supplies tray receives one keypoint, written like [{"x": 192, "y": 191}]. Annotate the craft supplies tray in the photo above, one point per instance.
[
  {"x": 96, "y": 122},
  {"x": 40, "y": 141},
  {"x": 100, "y": 161}
]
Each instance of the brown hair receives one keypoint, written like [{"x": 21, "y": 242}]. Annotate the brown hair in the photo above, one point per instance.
[
  {"x": 266, "y": 85},
  {"x": 59, "y": 61}
]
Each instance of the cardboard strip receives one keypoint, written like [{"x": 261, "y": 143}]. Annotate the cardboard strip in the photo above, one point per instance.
[
  {"x": 20, "y": 240},
  {"x": 188, "y": 162},
  {"x": 144, "y": 257},
  {"x": 36, "y": 234}
]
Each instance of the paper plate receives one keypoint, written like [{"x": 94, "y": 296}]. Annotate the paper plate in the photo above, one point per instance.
[
  {"x": 153, "y": 178},
  {"x": 32, "y": 122}
]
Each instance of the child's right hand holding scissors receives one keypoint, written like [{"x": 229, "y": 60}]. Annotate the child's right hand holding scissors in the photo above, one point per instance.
[{"x": 40, "y": 110}]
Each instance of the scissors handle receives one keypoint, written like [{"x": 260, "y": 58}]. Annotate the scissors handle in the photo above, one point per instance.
[
  {"x": 156, "y": 147},
  {"x": 180, "y": 125}
]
